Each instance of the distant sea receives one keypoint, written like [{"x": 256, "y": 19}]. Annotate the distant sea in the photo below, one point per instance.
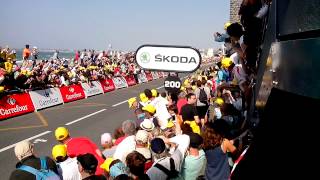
[{"x": 49, "y": 54}]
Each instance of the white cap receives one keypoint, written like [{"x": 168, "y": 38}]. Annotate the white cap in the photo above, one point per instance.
[
  {"x": 142, "y": 136},
  {"x": 106, "y": 138}
]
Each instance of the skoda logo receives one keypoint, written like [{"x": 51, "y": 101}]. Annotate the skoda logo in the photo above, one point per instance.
[
  {"x": 71, "y": 89},
  {"x": 11, "y": 101},
  {"x": 145, "y": 57}
]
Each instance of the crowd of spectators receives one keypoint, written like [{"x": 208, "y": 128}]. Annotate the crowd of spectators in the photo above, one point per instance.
[
  {"x": 87, "y": 65},
  {"x": 197, "y": 133}
]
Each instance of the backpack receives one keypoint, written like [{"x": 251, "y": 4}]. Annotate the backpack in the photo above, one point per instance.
[
  {"x": 172, "y": 173},
  {"x": 203, "y": 98},
  {"x": 43, "y": 174}
]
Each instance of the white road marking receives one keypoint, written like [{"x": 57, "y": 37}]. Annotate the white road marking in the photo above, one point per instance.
[
  {"x": 160, "y": 87},
  {"x": 33, "y": 137},
  {"x": 39, "y": 140},
  {"x": 84, "y": 117},
  {"x": 119, "y": 103}
]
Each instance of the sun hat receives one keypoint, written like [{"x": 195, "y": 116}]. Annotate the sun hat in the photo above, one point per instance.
[{"x": 147, "y": 125}]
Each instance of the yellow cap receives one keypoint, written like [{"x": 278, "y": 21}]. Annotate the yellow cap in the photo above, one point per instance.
[
  {"x": 154, "y": 92},
  {"x": 194, "y": 126},
  {"x": 182, "y": 88},
  {"x": 226, "y": 62},
  {"x": 1, "y": 89},
  {"x": 105, "y": 165},
  {"x": 149, "y": 108},
  {"x": 170, "y": 124},
  {"x": 219, "y": 101},
  {"x": 186, "y": 82},
  {"x": 226, "y": 25},
  {"x": 143, "y": 97},
  {"x": 59, "y": 150},
  {"x": 61, "y": 133},
  {"x": 131, "y": 101}
]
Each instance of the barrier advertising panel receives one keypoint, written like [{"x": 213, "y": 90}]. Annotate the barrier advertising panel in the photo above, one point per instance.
[
  {"x": 130, "y": 80},
  {"x": 46, "y": 98},
  {"x": 120, "y": 82},
  {"x": 107, "y": 85},
  {"x": 149, "y": 76},
  {"x": 142, "y": 78},
  {"x": 92, "y": 88},
  {"x": 15, "y": 104},
  {"x": 155, "y": 75},
  {"x": 72, "y": 93},
  {"x": 160, "y": 74}
]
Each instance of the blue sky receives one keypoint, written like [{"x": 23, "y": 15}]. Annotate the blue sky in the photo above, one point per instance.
[{"x": 126, "y": 24}]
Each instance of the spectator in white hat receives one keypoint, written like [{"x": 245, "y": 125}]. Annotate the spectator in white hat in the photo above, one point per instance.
[
  {"x": 107, "y": 145},
  {"x": 142, "y": 138},
  {"x": 24, "y": 152}
]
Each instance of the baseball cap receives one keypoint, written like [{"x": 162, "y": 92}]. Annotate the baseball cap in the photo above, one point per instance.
[
  {"x": 59, "y": 150},
  {"x": 226, "y": 62},
  {"x": 154, "y": 92},
  {"x": 61, "y": 133},
  {"x": 105, "y": 165},
  {"x": 23, "y": 149},
  {"x": 157, "y": 145},
  {"x": 118, "y": 169},
  {"x": 226, "y": 25},
  {"x": 106, "y": 138},
  {"x": 142, "y": 135},
  {"x": 143, "y": 97},
  {"x": 131, "y": 101},
  {"x": 88, "y": 161},
  {"x": 219, "y": 101},
  {"x": 170, "y": 124},
  {"x": 149, "y": 108}
]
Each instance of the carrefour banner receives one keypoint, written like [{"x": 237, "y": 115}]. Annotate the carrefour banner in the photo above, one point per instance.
[
  {"x": 46, "y": 98},
  {"x": 149, "y": 76},
  {"x": 72, "y": 93},
  {"x": 107, "y": 85},
  {"x": 160, "y": 74},
  {"x": 130, "y": 80},
  {"x": 14, "y": 105},
  {"x": 92, "y": 88}
]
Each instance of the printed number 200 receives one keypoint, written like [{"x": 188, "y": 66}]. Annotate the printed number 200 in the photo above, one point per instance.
[{"x": 172, "y": 84}]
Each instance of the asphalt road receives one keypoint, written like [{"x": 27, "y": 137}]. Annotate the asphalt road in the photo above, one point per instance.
[{"x": 89, "y": 117}]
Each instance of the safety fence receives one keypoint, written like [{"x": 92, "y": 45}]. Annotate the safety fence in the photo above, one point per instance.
[{"x": 17, "y": 104}]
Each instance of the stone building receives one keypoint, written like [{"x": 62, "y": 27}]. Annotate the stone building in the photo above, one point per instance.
[{"x": 234, "y": 9}]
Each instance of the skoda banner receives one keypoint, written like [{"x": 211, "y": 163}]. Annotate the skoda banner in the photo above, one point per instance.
[
  {"x": 168, "y": 58},
  {"x": 46, "y": 98}
]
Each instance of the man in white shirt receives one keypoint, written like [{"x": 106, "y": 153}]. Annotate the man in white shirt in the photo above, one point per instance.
[
  {"x": 68, "y": 166},
  {"x": 129, "y": 143}
]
